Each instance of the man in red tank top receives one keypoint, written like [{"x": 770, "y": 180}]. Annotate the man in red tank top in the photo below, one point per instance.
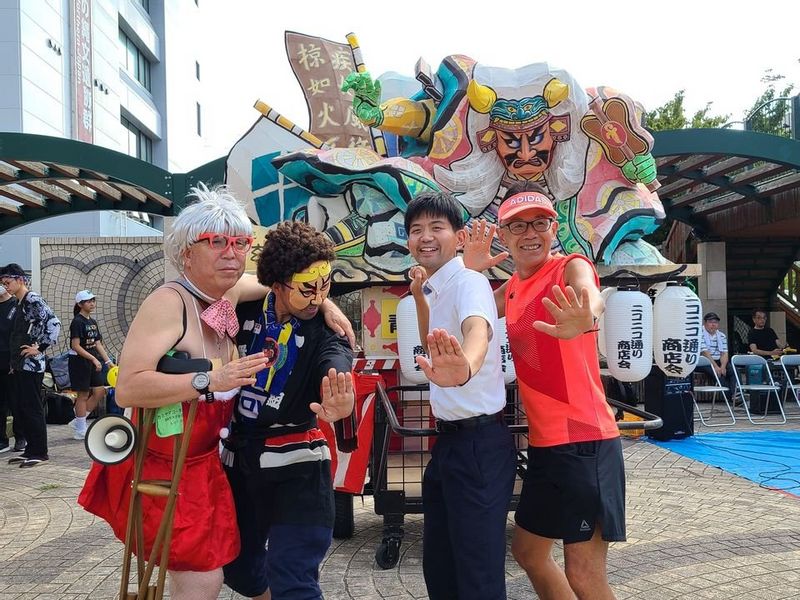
[{"x": 574, "y": 487}]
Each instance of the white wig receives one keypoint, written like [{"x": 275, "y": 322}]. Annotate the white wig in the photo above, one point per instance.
[{"x": 215, "y": 211}]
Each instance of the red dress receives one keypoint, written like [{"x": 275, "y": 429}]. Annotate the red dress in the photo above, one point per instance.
[{"x": 204, "y": 534}]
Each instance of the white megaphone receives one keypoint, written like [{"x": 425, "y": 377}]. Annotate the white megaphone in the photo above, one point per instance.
[{"x": 110, "y": 439}]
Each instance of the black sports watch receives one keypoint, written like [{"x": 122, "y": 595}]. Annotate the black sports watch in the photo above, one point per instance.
[{"x": 200, "y": 382}]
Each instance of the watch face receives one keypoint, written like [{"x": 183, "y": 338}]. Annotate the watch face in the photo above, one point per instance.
[{"x": 200, "y": 381}]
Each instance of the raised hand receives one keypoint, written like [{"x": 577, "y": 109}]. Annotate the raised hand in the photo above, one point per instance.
[
  {"x": 418, "y": 277},
  {"x": 448, "y": 367},
  {"x": 478, "y": 247},
  {"x": 338, "y": 321},
  {"x": 237, "y": 373},
  {"x": 366, "y": 98},
  {"x": 642, "y": 169},
  {"x": 337, "y": 397},
  {"x": 573, "y": 315}
]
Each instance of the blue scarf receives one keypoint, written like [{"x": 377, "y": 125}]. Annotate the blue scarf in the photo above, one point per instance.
[{"x": 278, "y": 342}]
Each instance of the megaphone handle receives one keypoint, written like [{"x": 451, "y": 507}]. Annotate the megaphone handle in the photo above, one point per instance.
[{"x": 164, "y": 534}]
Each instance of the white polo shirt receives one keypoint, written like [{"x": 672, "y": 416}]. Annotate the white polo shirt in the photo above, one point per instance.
[
  {"x": 716, "y": 345},
  {"x": 457, "y": 293}
]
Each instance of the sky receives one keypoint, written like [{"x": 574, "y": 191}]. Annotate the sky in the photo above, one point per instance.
[{"x": 716, "y": 51}]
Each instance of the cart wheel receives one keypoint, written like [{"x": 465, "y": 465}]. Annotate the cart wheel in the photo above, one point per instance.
[
  {"x": 344, "y": 522},
  {"x": 388, "y": 553}
]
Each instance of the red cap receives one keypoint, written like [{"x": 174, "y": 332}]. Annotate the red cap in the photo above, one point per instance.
[{"x": 523, "y": 202}]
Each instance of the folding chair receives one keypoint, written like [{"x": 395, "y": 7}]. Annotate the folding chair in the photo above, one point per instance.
[
  {"x": 790, "y": 363},
  {"x": 715, "y": 389},
  {"x": 742, "y": 361}
]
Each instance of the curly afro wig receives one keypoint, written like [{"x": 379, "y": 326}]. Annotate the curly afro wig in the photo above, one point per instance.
[{"x": 288, "y": 249}]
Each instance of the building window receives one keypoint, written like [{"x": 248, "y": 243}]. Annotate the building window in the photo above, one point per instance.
[
  {"x": 199, "y": 121},
  {"x": 197, "y": 70},
  {"x": 139, "y": 145},
  {"x": 134, "y": 61}
]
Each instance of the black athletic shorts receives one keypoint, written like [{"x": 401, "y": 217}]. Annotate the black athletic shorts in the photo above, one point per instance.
[
  {"x": 83, "y": 375},
  {"x": 571, "y": 488}
]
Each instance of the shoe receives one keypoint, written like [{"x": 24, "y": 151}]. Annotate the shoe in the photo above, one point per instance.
[
  {"x": 19, "y": 446},
  {"x": 32, "y": 462},
  {"x": 4, "y": 447},
  {"x": 77, "y": 434},
  {"x": 15, "y": 460}
]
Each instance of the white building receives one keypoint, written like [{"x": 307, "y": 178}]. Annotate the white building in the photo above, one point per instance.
[{"x": 122, "y": 74}]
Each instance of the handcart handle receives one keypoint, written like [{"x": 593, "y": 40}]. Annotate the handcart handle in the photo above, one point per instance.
[
  {"x": 392, "y": 416},
  {"x": 650, "y": 421}
]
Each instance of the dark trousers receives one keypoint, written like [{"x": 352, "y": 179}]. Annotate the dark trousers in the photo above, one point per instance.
[
  {"x": 27, "y": 392},
  {"x": 7, "y": 404},
  {"x": 728, "y": 380},
  {"x": 466, "y": 492}
]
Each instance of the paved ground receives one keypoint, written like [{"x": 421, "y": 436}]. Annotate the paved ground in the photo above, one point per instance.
[{"x": 693, "y": 532}]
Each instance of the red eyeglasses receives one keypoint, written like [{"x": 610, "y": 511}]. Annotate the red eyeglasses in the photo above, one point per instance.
[{"x": 221, "y": 242}]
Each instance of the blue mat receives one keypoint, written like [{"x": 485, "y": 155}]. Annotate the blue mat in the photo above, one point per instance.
[{"x": 769, "y": 458}]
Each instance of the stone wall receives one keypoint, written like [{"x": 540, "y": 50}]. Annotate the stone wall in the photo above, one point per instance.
[{"x": 119, "y": 271}]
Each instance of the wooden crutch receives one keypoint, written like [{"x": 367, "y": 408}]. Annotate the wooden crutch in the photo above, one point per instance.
[{"x": 134, "y": 533}]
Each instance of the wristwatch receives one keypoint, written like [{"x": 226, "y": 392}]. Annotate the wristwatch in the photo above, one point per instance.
[{"x": 200, "y": 382}]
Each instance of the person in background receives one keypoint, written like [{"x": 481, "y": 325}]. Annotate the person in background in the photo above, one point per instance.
[
  {"x": 469, "y": 480},
  {"x": 763, "y": 340},
  {"x": 8, "y": 306},
  {"x": 34, "y": 328},
  {"x": 87, "y": 357},
  {"x": 715, "y": 349},
  {"x": 574, "y": 486}
]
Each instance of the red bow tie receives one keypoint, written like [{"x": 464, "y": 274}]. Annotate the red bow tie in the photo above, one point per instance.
[{"x": 221, "y": 317}]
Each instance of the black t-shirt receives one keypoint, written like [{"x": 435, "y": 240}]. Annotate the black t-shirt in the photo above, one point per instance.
[
  {"x": 7, "y": 310},
  {"x": 764, "y": 339},
  {"x": 318, "y": 349},
  {"x": 87, "y": 331}
]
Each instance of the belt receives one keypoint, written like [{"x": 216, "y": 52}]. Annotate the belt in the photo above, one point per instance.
[{"x": 468, "y": 423}]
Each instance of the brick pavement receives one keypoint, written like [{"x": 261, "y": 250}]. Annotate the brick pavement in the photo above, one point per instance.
[{"x": 694, "y": 532}]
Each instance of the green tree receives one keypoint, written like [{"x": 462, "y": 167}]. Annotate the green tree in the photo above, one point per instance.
[
  {"x": 672, "y": 115},
  {"x": 770, "y": 114}
]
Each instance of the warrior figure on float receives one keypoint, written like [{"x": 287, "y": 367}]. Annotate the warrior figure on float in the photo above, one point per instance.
[{"x": 485, "y": 133}]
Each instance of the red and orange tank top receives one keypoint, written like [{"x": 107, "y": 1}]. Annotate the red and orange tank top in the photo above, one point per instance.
[{"x": 559, "y": 380}]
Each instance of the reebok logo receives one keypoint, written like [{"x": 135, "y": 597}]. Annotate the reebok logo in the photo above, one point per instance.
[{"x": 585, "y": 526}]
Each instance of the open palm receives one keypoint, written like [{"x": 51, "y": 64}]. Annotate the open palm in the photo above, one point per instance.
[{"x": 447, "y": 367}]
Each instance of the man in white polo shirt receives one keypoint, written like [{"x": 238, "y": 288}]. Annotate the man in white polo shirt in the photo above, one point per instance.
[
  {"x": 715, "y": 349},
  {"x": 469, "y": 480}
]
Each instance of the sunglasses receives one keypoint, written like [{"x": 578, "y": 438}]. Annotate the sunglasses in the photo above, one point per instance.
[{"x": 221, "y": 242}]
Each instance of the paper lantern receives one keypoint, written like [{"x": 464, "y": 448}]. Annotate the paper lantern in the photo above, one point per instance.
[
  {"x": 506, "y": 361},
  {"x": 677, "y": 330},
  {"x": 408, "y": 342},
  {"x": 601, "y": 322},
  {"x": 629, "y": 334}
]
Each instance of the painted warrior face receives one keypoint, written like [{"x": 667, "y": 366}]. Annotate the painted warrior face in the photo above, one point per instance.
[
  {"x": 526, "y": 154},
  {"x": 309, "y": 288}
]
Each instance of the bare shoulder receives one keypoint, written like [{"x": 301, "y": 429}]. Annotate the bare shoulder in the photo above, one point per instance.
[
  {"x": 246, "y": 289},
  {"x": 164, "y": 305},
  {"x": 579, "y": 271}
]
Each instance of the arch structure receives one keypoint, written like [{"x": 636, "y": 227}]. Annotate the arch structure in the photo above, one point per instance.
[
  {"x": 43, "y": 176},
  {"x": 737, "y": 187}
]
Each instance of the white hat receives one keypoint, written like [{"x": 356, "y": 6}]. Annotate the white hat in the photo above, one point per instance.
[{"x": 83, "y": 296}]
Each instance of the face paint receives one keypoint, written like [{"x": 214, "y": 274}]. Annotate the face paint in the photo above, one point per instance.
[{"x": 309, "y": 288}]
